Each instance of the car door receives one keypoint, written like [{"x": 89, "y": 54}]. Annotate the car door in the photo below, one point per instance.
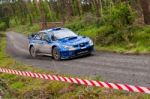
[
  {"x": 46, "y": 44},
  {"x": 37, "y": 41}
]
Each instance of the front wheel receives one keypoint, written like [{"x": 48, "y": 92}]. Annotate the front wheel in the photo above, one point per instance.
[
  {"x": 56, "y": 54},
  {"x": 91, "y": 53},
  {"x": 33, "y": 52}
]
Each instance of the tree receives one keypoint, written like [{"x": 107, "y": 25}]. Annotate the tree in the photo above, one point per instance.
[
  {"x": 145, "y": 4},
  {"x": 68, "y": 7}
]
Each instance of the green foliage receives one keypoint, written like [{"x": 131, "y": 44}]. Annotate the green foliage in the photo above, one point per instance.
[
  {"x": 121, "y": 15},
  {"x": 89, "y": 19},
  {"x": 110, "y": 28},
  {"x": 116, "y": 26},
  {"x": 146, "y": 29},
  {"x": 114, "y": 30},
  {"x": 3, "y": 26},
  {"x": 133, "y": 39},
  {"x": 26, "y": 29},
  {"x": 17, "y": 85},
  {"x": 89, "y": 31},
  {"x": 75, "y": 24}
]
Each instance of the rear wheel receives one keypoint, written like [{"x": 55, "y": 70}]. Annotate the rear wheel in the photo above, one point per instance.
[
  {"x": 56, "y": 53},
  {"x": 33, "y": 52}
]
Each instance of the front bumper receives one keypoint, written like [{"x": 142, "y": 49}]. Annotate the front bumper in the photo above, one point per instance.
[{"x": 76, "y": 53}]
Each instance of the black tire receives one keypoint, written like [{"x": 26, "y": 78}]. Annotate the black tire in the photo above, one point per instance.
[
  {"x": 33, "y": 52},
  {"x": 91, "y": 53},
  {"x": 56, "y": 54}
]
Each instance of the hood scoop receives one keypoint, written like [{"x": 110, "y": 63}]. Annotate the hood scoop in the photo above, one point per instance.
[
  {"x": 68, "y": 39},
  {"x": 72, "y": 38}
]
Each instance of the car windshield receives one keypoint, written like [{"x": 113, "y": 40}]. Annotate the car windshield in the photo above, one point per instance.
[{"x": 63, "y": 33}]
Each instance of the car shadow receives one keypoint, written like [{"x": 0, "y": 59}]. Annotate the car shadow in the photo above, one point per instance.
[
  {"x": 44, "y": 57},
  {"x": 41, "y": 57},
  {"x": 79, "y": 57}
]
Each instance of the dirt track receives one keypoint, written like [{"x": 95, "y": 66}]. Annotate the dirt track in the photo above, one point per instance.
[{"x": 130, "y": 69}]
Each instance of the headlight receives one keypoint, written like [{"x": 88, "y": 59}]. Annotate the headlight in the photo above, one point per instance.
[
  {"x": 91, "y": 42},
  {"x": 70, "y": 48}
]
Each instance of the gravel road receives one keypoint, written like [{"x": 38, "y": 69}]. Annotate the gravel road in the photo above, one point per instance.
[{"x": 117, "y": 68}]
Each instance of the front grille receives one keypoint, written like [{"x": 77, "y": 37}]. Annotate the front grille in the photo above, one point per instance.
[{"x": 83, "y": 51}]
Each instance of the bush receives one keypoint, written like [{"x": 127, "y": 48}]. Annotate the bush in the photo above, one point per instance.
[
  {"x": 89, "y": 19},
  {"x": 33, "y": 28},
  {"x": 146, "y": 29},
  {"x": 3, "y": 26},
  {"x": 105, "y": 34},
  {"x": 81, "y": 23},
  {"x": 121, "y": 15},
  {"x": 75, "y": 25},
  {"x": 117, "y": 26}
]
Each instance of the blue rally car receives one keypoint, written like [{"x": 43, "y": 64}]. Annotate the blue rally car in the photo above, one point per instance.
[{"x": 60, "y": 43}]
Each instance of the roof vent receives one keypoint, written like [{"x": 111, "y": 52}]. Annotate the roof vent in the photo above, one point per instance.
[{"x": 55, "y": 29}]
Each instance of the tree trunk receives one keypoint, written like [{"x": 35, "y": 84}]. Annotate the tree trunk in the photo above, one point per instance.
[
  {"x": 68, "y": 6},
  {"x": 98, "y": 7},
  {"x": 145, "y": 4},
  {"x": 79, "y": 7}
]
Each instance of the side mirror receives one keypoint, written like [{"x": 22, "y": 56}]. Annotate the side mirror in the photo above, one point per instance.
[
  {"x": 31, "y": 36},
  {"x": 53, "y": 38}
]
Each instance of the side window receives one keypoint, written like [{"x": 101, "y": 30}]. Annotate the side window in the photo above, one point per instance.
[
  {"x": 53, "y": 38},
  {"x": 45, "y": 37},
  {"x": 37, "y": 37},
  {"x": 41, "y": 35}
]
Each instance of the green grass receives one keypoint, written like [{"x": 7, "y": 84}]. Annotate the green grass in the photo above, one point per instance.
[
  {"x": 21, "y": 85},
  {"x": 12, "y": 86},
  {"x": 25, "y": 29}
]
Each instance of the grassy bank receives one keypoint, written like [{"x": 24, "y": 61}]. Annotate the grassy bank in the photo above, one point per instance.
[
  {"x": 12, "y": 86},
  {"x": 133, "y": 38}
]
